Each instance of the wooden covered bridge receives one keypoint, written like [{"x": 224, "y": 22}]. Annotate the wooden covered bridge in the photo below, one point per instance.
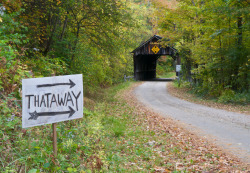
[{"x": 146, "y": 55}]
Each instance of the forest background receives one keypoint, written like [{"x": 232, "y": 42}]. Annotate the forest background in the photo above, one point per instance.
[{"x": 95, "y": 37}]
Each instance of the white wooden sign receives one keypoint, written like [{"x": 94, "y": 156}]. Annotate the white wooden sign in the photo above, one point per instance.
[
  {"x": 51, "y": 99},
  {"x": 178, "y": 68}
]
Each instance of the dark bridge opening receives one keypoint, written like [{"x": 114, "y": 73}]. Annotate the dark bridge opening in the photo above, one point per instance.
[{"x": 146, "y": 56}]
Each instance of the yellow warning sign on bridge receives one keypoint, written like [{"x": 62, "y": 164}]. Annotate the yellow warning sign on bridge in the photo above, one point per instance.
[{"x": 155, "y": 49}]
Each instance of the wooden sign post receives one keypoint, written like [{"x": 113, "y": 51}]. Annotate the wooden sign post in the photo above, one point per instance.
[
  {"x": 54, "y": 139},
  {"x": 50, "y": 100}
]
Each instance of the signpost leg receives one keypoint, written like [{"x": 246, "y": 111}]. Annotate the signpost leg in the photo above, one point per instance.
[{"x": 54, "y": 139}]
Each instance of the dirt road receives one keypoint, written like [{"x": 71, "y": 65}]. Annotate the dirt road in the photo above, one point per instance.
[{"x": 227, "y": 129}]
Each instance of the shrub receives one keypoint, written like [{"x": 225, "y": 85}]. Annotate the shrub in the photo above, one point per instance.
[
  {"x": 229, "y": 96},
  {"x": 44, "y": 66},
  {"x": 226, "y": 96}
]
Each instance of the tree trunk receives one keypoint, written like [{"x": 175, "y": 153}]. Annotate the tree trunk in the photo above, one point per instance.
[
  {"x": 49, "y": 42},
  {"x": 76, "y": 41},
  {"x": 64, "y": 26},
  {"x": 239, "y": 25},
  {"x": 236, "y": 67}
]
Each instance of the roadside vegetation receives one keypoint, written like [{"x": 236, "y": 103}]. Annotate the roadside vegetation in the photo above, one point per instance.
[
  {"x": 165, "y": 67},
  {"x": 212, "y": 39},
  {"x": 116, "y": 135},
  {"x": 235, "y": 102}
]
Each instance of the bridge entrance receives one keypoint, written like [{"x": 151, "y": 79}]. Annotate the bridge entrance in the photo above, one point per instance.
[{"x": 146, "y": 55}]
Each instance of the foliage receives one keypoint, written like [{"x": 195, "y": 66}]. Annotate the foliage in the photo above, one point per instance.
[
  {"x": 45, "y": 38},
  {"x": 44, "y": 66},
  {"x": 88, "y": 37},
  {"x": 165, "y": 65},
  {"x": 11, "y": 70},
  {"x": 11, "y": 73},
  {"x": 229, "y": 96},
  {"x": 212, "y": 40}
]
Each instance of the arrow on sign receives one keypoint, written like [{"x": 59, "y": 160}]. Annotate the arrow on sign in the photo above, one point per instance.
[
  {"x": 71, "y": 83},
  {"x": 35, "y": 115}
]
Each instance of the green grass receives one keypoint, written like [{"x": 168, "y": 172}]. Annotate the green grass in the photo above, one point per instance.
[{"x": 167, "y": 75}]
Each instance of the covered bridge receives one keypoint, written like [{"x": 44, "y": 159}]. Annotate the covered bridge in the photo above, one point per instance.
[{"x": 146, "y": 55}]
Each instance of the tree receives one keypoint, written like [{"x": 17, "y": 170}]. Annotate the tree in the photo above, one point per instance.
[{"x": 212, "y": 39}]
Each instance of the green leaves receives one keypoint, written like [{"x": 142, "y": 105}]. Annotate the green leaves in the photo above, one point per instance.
[{"x": 211, "y": 38}]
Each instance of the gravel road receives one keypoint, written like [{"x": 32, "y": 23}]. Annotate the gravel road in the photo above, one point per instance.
[{"x": 229, "y": 130}]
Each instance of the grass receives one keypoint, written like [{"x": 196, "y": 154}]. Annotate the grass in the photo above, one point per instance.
[
  {"x": 167, "y": 75},
  {"x": 114, "y": 135}
]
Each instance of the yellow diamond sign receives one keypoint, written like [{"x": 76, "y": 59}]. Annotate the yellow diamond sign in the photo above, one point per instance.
[{"x": 155, "y": 49}]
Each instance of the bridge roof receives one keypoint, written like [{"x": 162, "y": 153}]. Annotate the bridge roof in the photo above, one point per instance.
[
  {"x": 153, "y": 47},
  {"x": 154, "y": 38}
]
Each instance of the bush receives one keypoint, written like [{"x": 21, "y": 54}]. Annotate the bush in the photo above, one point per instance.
[
  {"x": 229, "y": 96},
  {"x": 160, "y": 70},
  {"x": 226, "y": 96},
  {"x": 11, "y": 70},
  {"x": 44, "y": 66}
]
